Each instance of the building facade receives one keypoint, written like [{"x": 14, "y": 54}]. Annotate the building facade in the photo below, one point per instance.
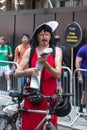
[{"x": 7, "y": 5}]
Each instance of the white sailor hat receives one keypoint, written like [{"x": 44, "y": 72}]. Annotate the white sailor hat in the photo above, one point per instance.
[{"x": 52, "y": 24}]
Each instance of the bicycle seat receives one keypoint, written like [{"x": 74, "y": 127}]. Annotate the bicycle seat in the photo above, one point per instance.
[{"x": 14, "y": 93}]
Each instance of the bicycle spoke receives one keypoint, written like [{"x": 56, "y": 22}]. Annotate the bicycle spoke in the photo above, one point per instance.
[{"x": 5, "y": 124}]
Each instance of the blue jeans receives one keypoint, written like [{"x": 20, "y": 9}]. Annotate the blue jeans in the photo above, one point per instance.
[{"x": 21, "y": 83}]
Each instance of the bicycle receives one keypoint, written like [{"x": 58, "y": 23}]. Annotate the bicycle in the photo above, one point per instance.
[
  {"x": 9, "y": 115},
  {"x": 9, "y": 122}
]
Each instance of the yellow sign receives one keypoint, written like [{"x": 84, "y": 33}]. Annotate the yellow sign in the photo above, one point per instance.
[{"x": 73, "y": 34}]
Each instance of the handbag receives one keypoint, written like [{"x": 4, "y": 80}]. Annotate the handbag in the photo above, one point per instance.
[{"x": 35, "y": 97}]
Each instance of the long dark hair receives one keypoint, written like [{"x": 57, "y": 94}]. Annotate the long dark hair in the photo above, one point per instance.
[
  {"x": 34, "y": 44},
  {"x": 46, "y": 28}
]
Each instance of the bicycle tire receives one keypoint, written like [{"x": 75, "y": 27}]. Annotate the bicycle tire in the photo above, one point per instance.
[
  {"x": 5, "y": 124},
  {"x": 50, "y": 126}
]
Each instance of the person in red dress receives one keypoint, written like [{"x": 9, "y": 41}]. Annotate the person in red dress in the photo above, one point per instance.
[{"x": 43, "y": 38}]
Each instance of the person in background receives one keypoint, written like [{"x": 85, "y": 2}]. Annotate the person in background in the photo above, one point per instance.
[
  {"x": 43, "y": 38},
  {"x": 63, "y": 48},
  {"x": 81, "y": 63},
  {"x": 64, "y": 62},
  {"x": 18, "y": 54},
  {"x": 5, "y": 53}
]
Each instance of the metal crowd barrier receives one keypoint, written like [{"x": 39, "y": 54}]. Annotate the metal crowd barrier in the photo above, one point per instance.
[
  {"x": 66, "y": 79},
  {"x": 66, "y": 83},
  {"x": 3, "y": 82},
  {"x": 78, "y": 88}
]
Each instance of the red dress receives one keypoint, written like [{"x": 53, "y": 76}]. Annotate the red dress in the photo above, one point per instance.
[{"x": 31, "y": 120}]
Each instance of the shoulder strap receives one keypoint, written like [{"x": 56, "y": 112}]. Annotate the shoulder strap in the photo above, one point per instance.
[
  {"x": 8, "y": 49},
  {"x": 53, "y": 52},
  {"x": 19, "y": 51},
  {"x": 43, "y": 70},
  {"x": 31, "y": 55},
  {"x": 42, "y": 77},
  {"x": 19, "y": 48}
]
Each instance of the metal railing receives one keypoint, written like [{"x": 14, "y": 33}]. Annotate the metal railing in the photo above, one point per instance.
[
  {"x": 78, "y": 89},
  {"x": 66, "y": 79},
  {"x": 13, "y": 80}
]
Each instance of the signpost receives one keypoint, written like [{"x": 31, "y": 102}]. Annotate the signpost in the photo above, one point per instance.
[
  {"x": 73, "y": 37},
  {"x": 73, "y": 34}
]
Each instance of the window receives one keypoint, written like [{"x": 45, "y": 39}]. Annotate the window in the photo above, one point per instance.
[{"x": 62, "y": 3}]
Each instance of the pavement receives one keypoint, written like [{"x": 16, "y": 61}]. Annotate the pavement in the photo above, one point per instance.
[{"x": 71, "y": 122}]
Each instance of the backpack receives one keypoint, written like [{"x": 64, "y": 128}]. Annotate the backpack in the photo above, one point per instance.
[
  {"x": 8, "y": 47},
  {"x": 18, "y": 51},
  {"x": 9, "y": 52},
  {"x": 64, "y": 54}
]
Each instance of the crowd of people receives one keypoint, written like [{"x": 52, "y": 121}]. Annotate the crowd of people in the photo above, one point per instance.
[{"x": 27, "y": 54}]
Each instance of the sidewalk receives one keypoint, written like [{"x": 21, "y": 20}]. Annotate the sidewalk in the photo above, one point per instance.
[{"x": 80, "y": 124}]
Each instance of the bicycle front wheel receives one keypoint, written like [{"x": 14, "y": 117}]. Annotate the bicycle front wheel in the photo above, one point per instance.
[
  {"x": 6, "y": 123},
  {"x": 50, "y": 126}
]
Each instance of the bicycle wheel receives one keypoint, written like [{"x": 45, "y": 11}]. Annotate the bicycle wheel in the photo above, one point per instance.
[
  {"x": 6, "y": 123},
  {"x": 50, "y": 126}
]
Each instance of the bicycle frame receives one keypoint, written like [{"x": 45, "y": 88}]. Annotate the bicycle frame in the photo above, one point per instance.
[
  {"x": 44, "y": 120},
  {"x": 48, "y": 112}
]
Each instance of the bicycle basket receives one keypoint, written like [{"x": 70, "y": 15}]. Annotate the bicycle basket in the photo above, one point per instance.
[{"x": 63, "y": 108}]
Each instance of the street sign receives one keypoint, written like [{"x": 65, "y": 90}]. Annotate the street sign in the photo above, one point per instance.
[{"x": 73, "y": 34}]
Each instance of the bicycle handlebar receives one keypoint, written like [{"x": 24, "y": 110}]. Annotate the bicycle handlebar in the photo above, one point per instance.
[
  {"x": 65, "y": 94},
  {"x": 18, "y": 94}
]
